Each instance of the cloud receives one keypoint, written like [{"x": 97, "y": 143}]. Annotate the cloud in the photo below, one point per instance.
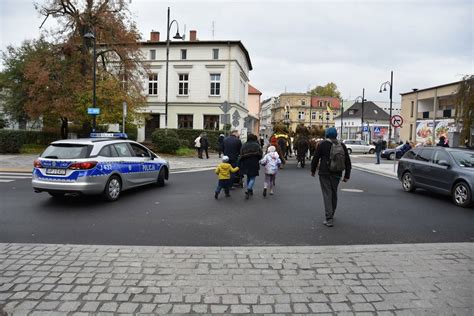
[{"x": 296, "y": 44}]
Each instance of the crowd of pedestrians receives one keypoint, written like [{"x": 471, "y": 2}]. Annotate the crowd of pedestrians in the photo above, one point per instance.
[{"x": 241, "y": 164}]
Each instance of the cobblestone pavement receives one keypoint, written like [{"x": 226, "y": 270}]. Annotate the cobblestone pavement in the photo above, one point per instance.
[{"x": 410, "y": 279}]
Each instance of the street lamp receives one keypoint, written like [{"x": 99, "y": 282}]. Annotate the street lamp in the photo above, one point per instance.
[
  {"x": 91, "y": 36},
  {"x": 342, "y": 115},
  {"x": 384, "y": 86},
  {"x": 362, "y": 111},
  {"x": 177, "y": 36}
]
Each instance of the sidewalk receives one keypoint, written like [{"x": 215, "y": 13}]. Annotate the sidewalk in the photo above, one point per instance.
[
  {"x": 24, "y": 163},
  {"x": 415, "y": 279}
]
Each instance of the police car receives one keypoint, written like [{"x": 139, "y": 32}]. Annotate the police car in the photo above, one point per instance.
[{"x": 105, "y": 163}]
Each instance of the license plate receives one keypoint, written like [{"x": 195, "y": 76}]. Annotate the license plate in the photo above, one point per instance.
[{"x": 60, "y": 172}]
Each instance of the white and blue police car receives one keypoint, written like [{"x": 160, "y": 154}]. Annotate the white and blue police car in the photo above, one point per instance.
[{"x": 105, "y": 163}]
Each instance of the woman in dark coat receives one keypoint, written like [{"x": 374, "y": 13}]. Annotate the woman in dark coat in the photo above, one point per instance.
[{"x": 250, "y": 156}]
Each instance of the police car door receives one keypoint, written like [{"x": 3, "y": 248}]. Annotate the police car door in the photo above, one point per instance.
[
  {"x": 128, "y": 164},
  {"x": 149, "y": 169}
]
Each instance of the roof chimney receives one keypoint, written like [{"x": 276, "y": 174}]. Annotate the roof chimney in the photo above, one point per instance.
[
  {"x": 154, "y": 36},
  {"x": 193, "y": 35}
]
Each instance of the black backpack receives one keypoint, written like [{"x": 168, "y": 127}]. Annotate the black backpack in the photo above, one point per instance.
[
  {"x": 337, "y": 157},
  {"x": 384, "y": 145}
]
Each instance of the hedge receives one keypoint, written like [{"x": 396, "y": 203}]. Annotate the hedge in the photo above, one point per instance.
[
  {"x": 166, "y": 141},
  {"x": 189, "y": 135},
  {"x": 12, "y": 140}
]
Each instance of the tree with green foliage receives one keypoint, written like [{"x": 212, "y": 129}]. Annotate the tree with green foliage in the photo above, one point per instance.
[
  {"x": 13, "y": 82},
  {"x": 465, "y": 107},
  {"x": 57, "y": 80},
  {"x": 329, "y": 90}
]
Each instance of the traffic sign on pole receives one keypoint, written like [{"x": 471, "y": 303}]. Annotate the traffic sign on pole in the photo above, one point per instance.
[
  {"x": 225, "y": 107},
  {"x": 376, "y": 129},
  {"x": 396, "y": 121}
]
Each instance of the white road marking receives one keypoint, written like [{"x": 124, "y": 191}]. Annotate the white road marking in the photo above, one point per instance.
[
  {"x": 1, "y": 180},
  {"x": 353, "y": 190},
  {"x": 15, "y": 174},
  {"x": 14, "y": 177}
]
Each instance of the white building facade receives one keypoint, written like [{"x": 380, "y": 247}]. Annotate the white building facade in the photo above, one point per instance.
[
  {"x": 201, "y": 76},
  {"x": 266, "y": 127}
]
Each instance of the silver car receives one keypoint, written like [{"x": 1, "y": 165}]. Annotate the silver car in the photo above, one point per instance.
[
  {"x": 358, "y": 146},
  {"x": 447, "y": 171},
  {"x": 101, "y": 165}
]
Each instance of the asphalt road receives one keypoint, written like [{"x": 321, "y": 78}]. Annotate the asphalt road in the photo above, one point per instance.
[{"x": 372, "y": 209}]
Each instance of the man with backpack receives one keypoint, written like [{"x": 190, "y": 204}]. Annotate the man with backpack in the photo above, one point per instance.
[{"x": 332, "y": 157}]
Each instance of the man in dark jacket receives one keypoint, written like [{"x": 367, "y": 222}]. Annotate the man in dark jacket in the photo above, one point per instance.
[
  {"x": 232, "y": 146},
  {"x": 378, "y": 149},
  {"x": 220, "y": 142},
  {"x": 250, "y": 156},
  {"x": 328, "y": 179},
  {"x": 204, "y": 145}
]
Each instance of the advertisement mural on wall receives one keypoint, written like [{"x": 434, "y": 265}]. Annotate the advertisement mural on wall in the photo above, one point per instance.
[{"x": 426, "y": 128}]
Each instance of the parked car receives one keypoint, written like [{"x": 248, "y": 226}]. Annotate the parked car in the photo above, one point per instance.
[
  {"x": 358, "y": 146},
  {"x": 447, "y": 171},
  {"x": 98, "y": 165},
  {"x": 391, "y": 153}
]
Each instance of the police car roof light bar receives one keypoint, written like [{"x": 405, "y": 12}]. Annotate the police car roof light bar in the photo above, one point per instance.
[{"x": 108, "y": 135}]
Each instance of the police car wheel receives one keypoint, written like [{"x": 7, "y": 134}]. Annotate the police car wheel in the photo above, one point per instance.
[
  {"x": 113, "y": 188},
  {"x": 161, "y": 178}
]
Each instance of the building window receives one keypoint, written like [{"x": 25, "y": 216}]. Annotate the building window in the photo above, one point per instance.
[
  {"x": 185, "y": 121},
  {"x": 303, "y": 102},
  {"x": 184, "y": 54},
  {"x": 447, "y": 113},
  {"x": 152, "y": 54},
  {"x": 153, "y": 84},
  {"x": 426, "y": 114},
  {"x": 211, "y": 122},
  {"x": 320, "y": 104},
  {"x": 412, "y": 108},
  {"x": 301, "y": 115},
  {"x": 215, "y": 84},
  {"x": 411, "y": 132},
  {"x": 287, "y": 115},
  {"x": 313, "y": 115},
  {"x": 215, "y": 53},
  {"x": 183, "y": 84}
]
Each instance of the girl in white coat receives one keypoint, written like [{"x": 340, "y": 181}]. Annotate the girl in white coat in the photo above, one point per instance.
[{"x": 271, "y": 161}]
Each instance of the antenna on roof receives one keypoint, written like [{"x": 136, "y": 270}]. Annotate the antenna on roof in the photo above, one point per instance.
[{"x": 213, "y": 29}]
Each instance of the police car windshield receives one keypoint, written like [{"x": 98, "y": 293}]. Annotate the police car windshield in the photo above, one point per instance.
[{"x": 66, "y": 151}]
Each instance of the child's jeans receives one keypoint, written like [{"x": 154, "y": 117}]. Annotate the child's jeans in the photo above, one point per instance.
[
  {"x": 223, "y": 184},
  {"x": 269, "y": 181},
  {"x": 250, "y": 183}
]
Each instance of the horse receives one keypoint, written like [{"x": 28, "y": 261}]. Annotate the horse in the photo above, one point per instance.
[{"x": 302, "y": 145}]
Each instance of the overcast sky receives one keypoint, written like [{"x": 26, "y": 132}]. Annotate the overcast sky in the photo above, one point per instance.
[{"x": 295, "y": 45}]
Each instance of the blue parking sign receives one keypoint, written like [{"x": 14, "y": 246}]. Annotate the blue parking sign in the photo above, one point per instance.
[
  {"x": 93, "y": 111},
  {"x": 365, "y": 129}
]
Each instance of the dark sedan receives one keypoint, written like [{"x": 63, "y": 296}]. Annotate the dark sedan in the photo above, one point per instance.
[
  {"x": 448, "y": 171},
  {"x": 398, "y": 151}
]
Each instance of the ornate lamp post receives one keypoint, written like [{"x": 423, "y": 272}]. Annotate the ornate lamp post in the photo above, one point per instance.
[
  {"x": 384, "y": 86},
  {"x": 90, "y": 36},
  {"x": 177, "y": 36}
]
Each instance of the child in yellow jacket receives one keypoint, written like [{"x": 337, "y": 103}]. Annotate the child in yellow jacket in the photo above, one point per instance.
[{"x": 223, "y": 171}]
